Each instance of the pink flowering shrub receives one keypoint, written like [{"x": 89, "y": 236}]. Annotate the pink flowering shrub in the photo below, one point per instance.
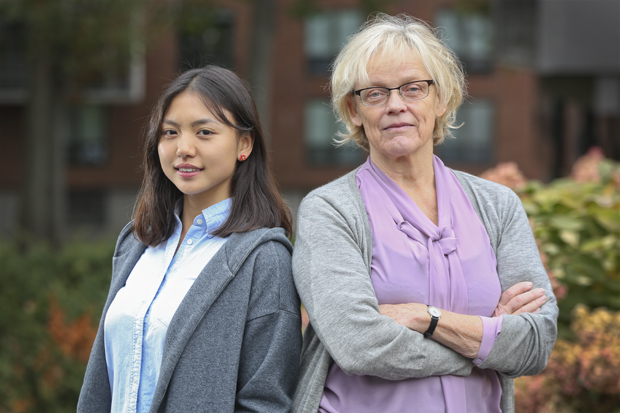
[
  {"x": 583, "y": 374},
  {"x": 507, "y": 174},
  {"x": 594, "y": 167},
  {"x": 576, "y": 222}
]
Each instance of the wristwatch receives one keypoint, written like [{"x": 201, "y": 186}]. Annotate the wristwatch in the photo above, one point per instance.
[{"x": 435, "y": 314}]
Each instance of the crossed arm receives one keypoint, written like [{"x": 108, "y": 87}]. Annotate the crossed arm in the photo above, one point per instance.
[
  {"x": 463, "y": 333},
  {"x": 330, "y": 270}
]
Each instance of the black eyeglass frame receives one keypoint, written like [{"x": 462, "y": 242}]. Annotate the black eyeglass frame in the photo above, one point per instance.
[{"x": 389, "y": 89}]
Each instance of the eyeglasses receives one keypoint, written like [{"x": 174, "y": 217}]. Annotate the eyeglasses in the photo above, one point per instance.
[{"x": 378, "y": 96}]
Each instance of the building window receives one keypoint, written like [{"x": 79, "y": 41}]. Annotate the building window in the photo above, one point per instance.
[
  {"x": 121, "y": 80},
  {"x": 470, "y": 35},
  {"x": 474, "y": 140},
  {"x": 516, "y": 41},
  {"x": 13, "y": 65},
  {"x": 320, "y": 131},
  {"x": 325, "y": 33},
  {"x": 87, "y": 143},
  {"x": 206, "y": 38}
]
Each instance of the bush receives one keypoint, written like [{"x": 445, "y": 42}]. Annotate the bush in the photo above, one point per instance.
[
  {"x": 583, "y": 374},
  {"x": 51, "y": 305},
  {"x": 576, "y": 222}
]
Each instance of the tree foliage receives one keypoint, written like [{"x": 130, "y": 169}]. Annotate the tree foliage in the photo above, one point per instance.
[{"x": 51, "y": 306}]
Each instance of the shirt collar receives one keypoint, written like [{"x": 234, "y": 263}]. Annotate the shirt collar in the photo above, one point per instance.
[
  {"x": 216, "y": 214},
  {"x": 211, "y": 218}
]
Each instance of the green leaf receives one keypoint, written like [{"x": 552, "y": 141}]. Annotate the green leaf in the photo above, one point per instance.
[
  {"x": 609, "y": 219},
  {"x": 566, "y": 223},
  {"x": 570, "y": 237}
]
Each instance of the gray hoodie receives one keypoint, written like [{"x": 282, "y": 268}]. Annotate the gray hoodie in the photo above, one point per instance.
[{"x": 234, "y": 342}]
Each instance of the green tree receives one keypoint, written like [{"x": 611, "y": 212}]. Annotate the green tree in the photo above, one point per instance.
[{"x": 68, "y": 45}]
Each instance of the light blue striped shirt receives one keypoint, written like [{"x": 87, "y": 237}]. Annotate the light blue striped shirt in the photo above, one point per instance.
[{"x": 138, "y": 318}]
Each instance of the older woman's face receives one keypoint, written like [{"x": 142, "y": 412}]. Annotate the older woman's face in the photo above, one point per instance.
[{"x": 398, "y": 128}]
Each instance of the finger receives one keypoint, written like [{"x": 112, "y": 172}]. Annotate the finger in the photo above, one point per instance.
[
  {"x": 524, "y": 299},
  {"x": 524, "y": 303},
  {"x": 519, "y": 301},
  {"x": 499, "y": 310},
  {"x": 515, "y": 291},
  {"x": 532, "y": 306}
]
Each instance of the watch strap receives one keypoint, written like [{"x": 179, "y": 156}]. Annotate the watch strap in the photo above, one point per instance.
[{"x": 432, "y": 326}]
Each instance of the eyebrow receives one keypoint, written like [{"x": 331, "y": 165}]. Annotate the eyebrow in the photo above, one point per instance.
[{"x": 194, "y": 123}]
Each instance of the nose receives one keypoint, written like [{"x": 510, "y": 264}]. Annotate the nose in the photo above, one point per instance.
[
  {"x": 185, "y": 146},
  {"x": 395, "y": 102}
]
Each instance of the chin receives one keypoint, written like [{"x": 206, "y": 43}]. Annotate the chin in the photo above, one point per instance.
[{"x": 404, "y": 149}]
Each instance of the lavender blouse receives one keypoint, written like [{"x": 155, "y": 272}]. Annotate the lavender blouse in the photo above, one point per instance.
[{"x": 451, "y": 266}]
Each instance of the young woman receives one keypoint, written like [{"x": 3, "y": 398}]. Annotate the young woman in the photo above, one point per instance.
[{"x": 202, "y": 313}]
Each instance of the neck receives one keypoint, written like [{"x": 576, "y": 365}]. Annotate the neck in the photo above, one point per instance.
[
  {"x": 416, "y": 176},
  {"x": 190, "y": 210},
  {"x": 409, "y": 172}
]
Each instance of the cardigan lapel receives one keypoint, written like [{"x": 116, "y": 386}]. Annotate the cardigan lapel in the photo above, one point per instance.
[
  {"x": 96, "y": 388},
  {"x": 207, "y": 287}
]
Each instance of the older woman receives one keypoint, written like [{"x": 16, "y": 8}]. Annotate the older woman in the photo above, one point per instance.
[{"x": 423, "y": 285}]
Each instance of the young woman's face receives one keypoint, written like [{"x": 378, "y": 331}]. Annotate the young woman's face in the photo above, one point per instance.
[{"x": 198, "y": 153}]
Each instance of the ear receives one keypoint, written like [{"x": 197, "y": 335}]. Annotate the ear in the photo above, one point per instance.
[
  {"x": 440, "y": 108},
  {"x": 353, "y": 112},
  {"x": 246, "y": 142}
]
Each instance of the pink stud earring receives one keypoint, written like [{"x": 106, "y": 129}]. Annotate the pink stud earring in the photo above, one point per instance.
[{"x": 242, "y": 158}]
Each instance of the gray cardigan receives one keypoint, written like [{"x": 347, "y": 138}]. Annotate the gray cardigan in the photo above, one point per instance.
[
  {"x": 234, "y": 342},
  {"x": 331, "y": 267}
]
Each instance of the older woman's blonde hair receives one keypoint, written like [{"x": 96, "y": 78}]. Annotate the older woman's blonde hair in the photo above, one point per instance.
[{"x": 395, "y": 36}]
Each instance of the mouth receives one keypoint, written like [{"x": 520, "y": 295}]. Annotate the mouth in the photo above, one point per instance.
[
  {"x": 187, "y": 171},
  {"x": 185, "y": 167},
  {"x": 398, "y": 126}
]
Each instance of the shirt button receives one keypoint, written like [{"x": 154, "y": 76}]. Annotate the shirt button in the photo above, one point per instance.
[
  {"x": 189, "y": 242},
  {"x": 199, "y": 222}
]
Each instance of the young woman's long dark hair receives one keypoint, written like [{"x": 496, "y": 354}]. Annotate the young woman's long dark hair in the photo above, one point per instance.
[{"x": 256, "y": 202}]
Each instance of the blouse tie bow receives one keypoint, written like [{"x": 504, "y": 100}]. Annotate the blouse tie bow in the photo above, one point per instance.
[{"x": 446, "y": 240}]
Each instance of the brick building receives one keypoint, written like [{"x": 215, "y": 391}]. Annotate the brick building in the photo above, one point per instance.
[{"x": 543, "y": 79}]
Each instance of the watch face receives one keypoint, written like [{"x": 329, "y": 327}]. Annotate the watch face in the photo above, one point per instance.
[{"x": 434, "y": 311}]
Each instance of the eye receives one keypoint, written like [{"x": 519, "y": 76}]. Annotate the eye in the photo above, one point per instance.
[
  {"x": 413, "y": 88},
  {"x": 375, "y": 93},
  {"x": 205, "y": 132},
  {"x": 169, "y": 133},
  {"x": 371, "y": 95}
]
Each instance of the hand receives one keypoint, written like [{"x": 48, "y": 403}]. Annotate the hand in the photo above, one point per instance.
[{"x": 520, "y": 298}]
